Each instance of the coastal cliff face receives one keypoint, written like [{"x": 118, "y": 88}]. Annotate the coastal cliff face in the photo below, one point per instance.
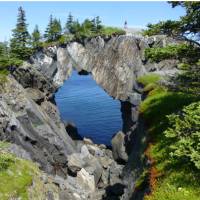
[
  {"x": 30, "y": 121},
  {"x": 114, "y": 64}
]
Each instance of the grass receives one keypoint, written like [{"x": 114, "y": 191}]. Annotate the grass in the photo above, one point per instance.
[
  {"x": 21, "y": 179},
  {"x": 15, "y": 175},
  {"x": 174, "y": 181},
  {"x": 150, "y": 78}
]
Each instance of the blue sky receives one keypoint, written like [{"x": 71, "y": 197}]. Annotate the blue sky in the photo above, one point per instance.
[{"x": 137, "y": 14}]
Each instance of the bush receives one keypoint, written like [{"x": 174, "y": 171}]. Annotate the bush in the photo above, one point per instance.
[
  {"x": 184, "y": 130},
  {"x": 108, "y": 31},
  {"x": 179, "y": 51},
  {"x": 150, "y": 78}
]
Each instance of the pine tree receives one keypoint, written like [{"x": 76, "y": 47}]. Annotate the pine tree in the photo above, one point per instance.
[
  {"x": 94, "y": 27},
  {"x": 36, "y": 37},
  {"x": 69, "y": 24},
  {"x": 48, "y": 33},
  {"x": 20, "y": 37},
  {"x": 98, "y": 24},
  {"x": 56, "y": 29}
]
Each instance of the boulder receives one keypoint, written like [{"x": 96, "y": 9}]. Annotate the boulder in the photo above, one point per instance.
[
  {"x": 95, "y": 150},
  {"x": 35, "y": 94},
  {"x": 75, "y": 162},
  {"x": 87, "y": 141},
  {"x": 118, "y": 147},
  {"x": 86, "y": 180}
]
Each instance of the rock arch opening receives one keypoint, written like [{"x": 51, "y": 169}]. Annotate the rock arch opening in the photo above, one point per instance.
[{"x": 83, "y": 102}]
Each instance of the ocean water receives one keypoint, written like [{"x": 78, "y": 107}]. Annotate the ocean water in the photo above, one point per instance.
[{"x": 96, "y": 115}]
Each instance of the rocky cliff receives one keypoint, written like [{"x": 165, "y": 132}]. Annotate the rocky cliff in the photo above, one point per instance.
[{"x": 30, "y": 120}]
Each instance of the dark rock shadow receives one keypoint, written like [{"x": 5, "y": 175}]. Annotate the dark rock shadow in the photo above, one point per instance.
[
  {"x": 114, "y": 192},
  {"x": 72, "y": 131}
]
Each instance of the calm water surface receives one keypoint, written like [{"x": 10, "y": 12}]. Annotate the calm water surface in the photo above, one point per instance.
[{"x": 96, "y": 115}]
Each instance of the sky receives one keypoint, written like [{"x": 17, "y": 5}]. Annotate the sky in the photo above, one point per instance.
[{"x": 137, "y": 14}]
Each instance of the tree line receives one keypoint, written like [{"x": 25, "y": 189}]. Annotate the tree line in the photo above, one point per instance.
[{"x": 23, "y": 44}]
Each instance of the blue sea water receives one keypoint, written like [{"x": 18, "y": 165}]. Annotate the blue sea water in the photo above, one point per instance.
[{"x": 96, "y": 115}]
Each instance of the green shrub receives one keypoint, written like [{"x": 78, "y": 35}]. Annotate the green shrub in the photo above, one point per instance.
[
  {"x": 108, "y": 31},
  {"x": 150, "y": 78},
  {"x": 179, "y": 51},
  {"x": 184, "y": 130}
]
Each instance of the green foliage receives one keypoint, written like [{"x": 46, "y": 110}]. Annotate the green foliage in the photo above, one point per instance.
[
  {"x": 15, "y": 177},
  {"x": 54, "y": 30},
  {"x": 168, "y": 27},
  {"x": 109, "y": 31},
  {"x": 189, "y": 80},
  {"x": 187, "y": 25},
  {"x": 20, "y": 42},
  {"x": 184, "y": 130},
  {"x": 69, "y": 23},
  {"x": 173, "y": 184},
  {"x": 181, "y": 184},
  {"x": 142, "y": 180},
  {"x": 183, "y": 52},
  {"x": 150, "y": 78},
  {"x": 5, "y": 161},
  {"x": 36, "y": 38}
]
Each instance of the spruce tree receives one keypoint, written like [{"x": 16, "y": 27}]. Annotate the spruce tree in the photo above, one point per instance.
[
  {"x": 94, "y": 27},
  {"x": 36, "y": 37},
  {"x": 98, "y": 24},
  {"x": 54, "y": 30},
  {"x": 48, "y": 33},
  {"x": 20, "y": 37},
  {"x": 69, "y": 24}
]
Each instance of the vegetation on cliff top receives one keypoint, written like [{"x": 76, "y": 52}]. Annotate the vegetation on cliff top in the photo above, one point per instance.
[
  {"x": 172, "y": 111},
  {"x": 164, "y": 116},
  {"x": 23, "y": 44}
]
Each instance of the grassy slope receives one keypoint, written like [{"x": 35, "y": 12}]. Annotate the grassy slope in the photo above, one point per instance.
[
  {"x": 170, "y": 180},
  {"x": 21, "y": 178}
]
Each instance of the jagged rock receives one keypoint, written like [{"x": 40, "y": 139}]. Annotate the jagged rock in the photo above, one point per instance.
[
  {"x": 105, "y": 162},
  {"x": 87, "y": 141},
  {"x": 35, "y": 94},
  {"x": 29, "y": 77},
  {"x": 84, "y": 151},
  {"x": 118, "y": 147},
  {"x": 29, "y": 118},
  {"x": 19, "y": 151},
  {"x": 86, "y": 180},
  {"x": 26, "y": 124},
  {"x": 95, "y": 151},
  {"x": 94, "y": 168},
  {"x": 75, "y": 162}
]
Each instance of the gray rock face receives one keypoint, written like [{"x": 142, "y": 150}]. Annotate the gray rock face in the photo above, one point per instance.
[
  {"x": 114, "y": 65},
  {"x": 32, "y": 127},
  {"x": 30, "y": 120},
  {"x": 118, "y": 147}
]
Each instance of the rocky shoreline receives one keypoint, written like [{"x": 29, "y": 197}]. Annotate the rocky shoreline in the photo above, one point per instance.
[{"x": 30, "y": 120}]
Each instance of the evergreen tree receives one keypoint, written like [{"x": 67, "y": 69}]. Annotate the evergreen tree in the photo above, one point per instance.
[
  {"x": 20, "y": 37},
  {"x": 36, "y": 37},
  {"x": 94, "y": 27},
  {"x": 98, "y": 24},
  {"x": 69, "y": 24},
  {"x": 48, "y": 33},
  {"x": 56, "y": 29}
]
